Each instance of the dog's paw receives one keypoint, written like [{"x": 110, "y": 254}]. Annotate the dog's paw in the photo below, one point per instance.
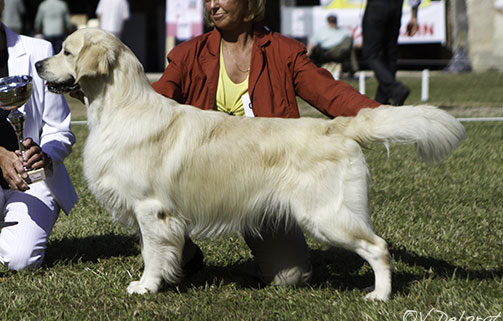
[
  {"x": 375, "y": 296},
  {"x": 137, "y": 287}
]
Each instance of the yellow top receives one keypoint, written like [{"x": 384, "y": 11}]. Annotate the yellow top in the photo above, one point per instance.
[{"x": 229, "y": 93}]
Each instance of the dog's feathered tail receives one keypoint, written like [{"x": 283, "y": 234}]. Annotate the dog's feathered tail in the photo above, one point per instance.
[{"x": 435, "y": 132}]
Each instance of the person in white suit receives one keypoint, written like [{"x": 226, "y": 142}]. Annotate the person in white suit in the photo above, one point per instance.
[{"x": 48, "y": 140}]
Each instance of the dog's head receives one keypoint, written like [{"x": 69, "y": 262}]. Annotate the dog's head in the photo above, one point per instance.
[{"x": 88, "y": 52}]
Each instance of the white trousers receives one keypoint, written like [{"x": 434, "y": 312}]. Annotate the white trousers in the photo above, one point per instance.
[{"x": 23, "y": 245}]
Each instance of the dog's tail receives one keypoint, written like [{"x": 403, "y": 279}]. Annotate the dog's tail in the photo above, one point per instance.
[{"x": 434, "y": 131}]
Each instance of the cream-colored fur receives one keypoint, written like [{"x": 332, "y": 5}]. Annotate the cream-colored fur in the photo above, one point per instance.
[{"x": 173, "y": 170}]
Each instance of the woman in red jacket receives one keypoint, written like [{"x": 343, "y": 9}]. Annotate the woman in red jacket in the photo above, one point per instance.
[{"x": 242, "y": 68}]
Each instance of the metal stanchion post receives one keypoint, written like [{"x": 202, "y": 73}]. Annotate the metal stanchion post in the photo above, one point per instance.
[
  {"x": 361, "y": 82},
  {"x": 425, "y": 84}
]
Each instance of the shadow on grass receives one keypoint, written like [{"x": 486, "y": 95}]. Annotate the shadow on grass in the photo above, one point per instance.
[
  {"x": 90, "y": 249},
  {"x": 218, "y": 276},
  {"x": 434, "y": 267},
  {"x": 332, "y": 268},
  {"x": 345, "y": 271}
]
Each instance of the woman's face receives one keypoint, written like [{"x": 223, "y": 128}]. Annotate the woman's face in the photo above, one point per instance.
[{"x": 227, "y": 14}]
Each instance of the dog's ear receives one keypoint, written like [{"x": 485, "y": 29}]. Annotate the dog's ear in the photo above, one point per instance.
[{"x": 95, "y": 59}]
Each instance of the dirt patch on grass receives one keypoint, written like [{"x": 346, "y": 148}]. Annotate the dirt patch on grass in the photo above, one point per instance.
[{"x": 474, "y": 111}]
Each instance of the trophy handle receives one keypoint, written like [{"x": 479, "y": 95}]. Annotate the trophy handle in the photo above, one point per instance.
[
  {"x": 15, "y": 91},
  {"x": 16, "y": 119}
]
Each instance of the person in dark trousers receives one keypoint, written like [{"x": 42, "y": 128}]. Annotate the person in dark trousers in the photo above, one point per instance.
[{"x": 381, "y": 28}]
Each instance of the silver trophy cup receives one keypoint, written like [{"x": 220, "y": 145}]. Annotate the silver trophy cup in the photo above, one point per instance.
[{"x": 14, "y": 93}]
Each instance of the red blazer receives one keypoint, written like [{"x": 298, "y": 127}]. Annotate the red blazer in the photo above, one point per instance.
[{"x": 280, "y": 70}]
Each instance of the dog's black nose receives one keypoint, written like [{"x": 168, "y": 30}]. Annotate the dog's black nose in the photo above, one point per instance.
[{"x": 39, "y": 65}]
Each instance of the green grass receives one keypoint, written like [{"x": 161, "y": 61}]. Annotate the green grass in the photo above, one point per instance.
[
  {"x": 464, "y": 94},
  {"x": 459, "y": 90},
  {"x": 444, "y": 226}
]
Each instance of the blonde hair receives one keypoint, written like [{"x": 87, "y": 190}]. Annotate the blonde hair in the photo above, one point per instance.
[{"x": 256, "y": 9}]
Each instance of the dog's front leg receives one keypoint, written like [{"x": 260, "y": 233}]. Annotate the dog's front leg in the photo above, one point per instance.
[{"x": 162, "y": 239}]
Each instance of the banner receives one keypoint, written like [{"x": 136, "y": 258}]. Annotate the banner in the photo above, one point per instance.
[
  {"x": 301, "y": 22},
  {"x": 184, "y": 18}
]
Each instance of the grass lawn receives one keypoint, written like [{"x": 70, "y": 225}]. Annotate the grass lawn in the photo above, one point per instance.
[{"x": 444, "y": 226}]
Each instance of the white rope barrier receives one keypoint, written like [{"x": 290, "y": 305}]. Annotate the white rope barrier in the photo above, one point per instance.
[
  {"x": 480, "y": 119},
  {"x": 78, "y": 122}
]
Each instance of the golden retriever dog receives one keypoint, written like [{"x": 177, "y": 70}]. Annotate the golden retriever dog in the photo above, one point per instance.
[{"x": 173, "y": 170}]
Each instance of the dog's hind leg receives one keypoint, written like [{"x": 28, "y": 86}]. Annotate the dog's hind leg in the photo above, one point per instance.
[
  {"x": 353, "y": 232},
  {"x": 162, "y": 238},
  {"x": 341, "y": 218},
  {"x": 376, "y": 253},
  {"x": 348, "y": 223}
]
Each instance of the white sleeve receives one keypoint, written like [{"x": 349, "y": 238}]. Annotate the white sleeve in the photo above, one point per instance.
[
  {"x": 414, "y": 3},
  {"x": 125, "y": 11},
  {"x": 56, "y": 137},
  {"x": 99, "y": 9}
]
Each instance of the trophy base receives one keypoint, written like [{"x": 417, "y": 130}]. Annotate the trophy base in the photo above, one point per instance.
[{"x": 35, "y": 175}]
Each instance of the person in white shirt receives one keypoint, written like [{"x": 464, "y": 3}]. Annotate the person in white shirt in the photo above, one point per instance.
[
  {"x": 333, "y": 44},
  {"x": 48, "y": 140},
  {"x": 112, "y": 14}
]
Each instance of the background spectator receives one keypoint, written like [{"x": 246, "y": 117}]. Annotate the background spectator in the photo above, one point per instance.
[
  {"x": 112, "y": 14},
  {"x": 12, "y": 16},
  {"x": 53, "y": 21},
  {"x": 333, "y": 44},
  {"x": 381, "y": 28}
]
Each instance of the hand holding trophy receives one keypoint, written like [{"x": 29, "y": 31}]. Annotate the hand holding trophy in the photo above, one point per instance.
[{"x": 14, "y": 93}]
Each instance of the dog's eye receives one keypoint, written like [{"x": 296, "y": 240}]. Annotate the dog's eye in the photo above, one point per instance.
[{"x": 66, "y": 53}]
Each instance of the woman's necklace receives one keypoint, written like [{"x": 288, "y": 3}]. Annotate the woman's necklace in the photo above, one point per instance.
[
  {"x": 237, "y": 66},
  {"x": 236, "y": 63}
]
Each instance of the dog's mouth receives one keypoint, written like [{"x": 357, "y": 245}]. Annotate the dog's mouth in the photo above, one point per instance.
[{"x": 63, "y": 87}]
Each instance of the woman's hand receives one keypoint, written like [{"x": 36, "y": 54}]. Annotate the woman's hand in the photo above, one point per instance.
[{"x": 12, "y": 170}]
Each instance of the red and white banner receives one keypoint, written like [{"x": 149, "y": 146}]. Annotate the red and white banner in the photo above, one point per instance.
[{"x": 184, "y": 18}]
